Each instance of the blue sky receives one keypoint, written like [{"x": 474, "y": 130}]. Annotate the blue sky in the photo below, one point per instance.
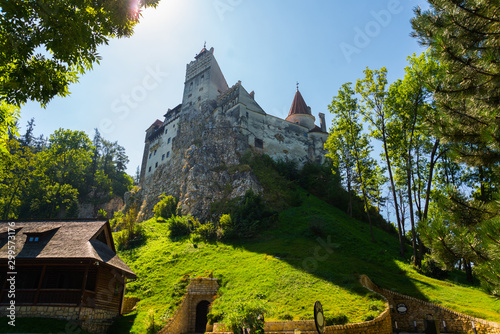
[{"x": 268, "y": 45}]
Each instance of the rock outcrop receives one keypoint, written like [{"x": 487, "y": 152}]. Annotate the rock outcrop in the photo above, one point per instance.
[{"x": 205, "y": 166}]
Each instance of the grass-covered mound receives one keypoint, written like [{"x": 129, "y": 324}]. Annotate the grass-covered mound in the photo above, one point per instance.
[{"x": 312, "y": 252}]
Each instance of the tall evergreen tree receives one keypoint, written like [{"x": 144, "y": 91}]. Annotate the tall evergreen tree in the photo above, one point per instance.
[{"x": 463, "y": 35}]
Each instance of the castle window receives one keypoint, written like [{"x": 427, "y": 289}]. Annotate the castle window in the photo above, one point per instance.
[
  {"x": 259, "y": 143},
  {"x": 190, "y": 95},
  {"x": 168, "y": 142},
  {"x": 199, "y": 98},
  {"x": 156, "y": 164},
  {"x": 150, "y": 154},
  {"x": 166, "y": 130},
  {"x": 149, "y": 170},
  {"x": 203, "y": 76},
  {"x": 168, "y": 153},
  {"x": 155, "y": 152},
  {"x": 162, "y": 157}
]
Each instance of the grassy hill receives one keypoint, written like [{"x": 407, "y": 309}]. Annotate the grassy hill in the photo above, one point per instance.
[{"x": 313, "y": 252}]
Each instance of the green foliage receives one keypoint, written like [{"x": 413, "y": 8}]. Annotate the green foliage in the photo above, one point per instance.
[
  {"x": 270, "y": 267},
  {"x": 102, "y": 214},
  {"x": 209, "y": 232},
  {"x": 180, "y": 226},
  {"x": 247, "y": 313},
  {"x": 462, "y": 37},
  {"x": 248, "y": 217},
  {"x": 166, "y": 207},
  {"x": 48, "y": 179},
  {"x": 72, "y": 32},
  {"x": 131, "y": 233},
  {"x": 335, "y": 319},
  {"x": 432, "y": 269}
]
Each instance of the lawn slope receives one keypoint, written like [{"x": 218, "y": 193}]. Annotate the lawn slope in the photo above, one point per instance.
[{"x": 315, "y": 252}]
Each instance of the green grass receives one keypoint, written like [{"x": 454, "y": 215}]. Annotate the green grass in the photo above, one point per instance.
[
  {"x": 39, "y": 325},
  {"x": 288, "y": 269}
]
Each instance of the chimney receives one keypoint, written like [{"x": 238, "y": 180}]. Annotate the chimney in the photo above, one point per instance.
[
  {"x": 252, "y": 95},
  {"x": 322, "y": 122}
]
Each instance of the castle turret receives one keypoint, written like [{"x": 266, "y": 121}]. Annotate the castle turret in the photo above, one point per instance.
[
  {"x": 204, "y": 79},
  {"x": 300, "y": 113}
]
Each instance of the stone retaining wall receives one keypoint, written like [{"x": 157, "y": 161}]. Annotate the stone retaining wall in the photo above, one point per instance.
[
  {"x": 417, "y": 310},
  {"x": 89, "y": 319},
  {"x": 183, "y": 320}
]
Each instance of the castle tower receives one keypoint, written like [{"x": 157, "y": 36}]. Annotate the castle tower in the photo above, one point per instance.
[
  {"x": 300, "y": 113},
  {"x": 204, "y": 79}
]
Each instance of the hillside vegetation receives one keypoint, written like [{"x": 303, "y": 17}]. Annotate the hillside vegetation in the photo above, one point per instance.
[{"x": 313, "y": 251}]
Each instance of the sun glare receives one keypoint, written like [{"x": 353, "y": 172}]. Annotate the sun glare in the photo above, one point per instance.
[{"x": 135, "y": 8}]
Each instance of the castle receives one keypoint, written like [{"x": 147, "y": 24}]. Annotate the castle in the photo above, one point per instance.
[{"x": 210, "y": 130}]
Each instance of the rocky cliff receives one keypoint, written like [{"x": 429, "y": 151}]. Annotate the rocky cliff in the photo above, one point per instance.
[{"x": 205, "y": 166}]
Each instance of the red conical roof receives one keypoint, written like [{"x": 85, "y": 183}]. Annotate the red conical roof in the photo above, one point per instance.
[{"x": 299, "y": 106}]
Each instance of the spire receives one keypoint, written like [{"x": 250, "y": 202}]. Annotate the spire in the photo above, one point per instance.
[
  {"x": 202, "y": 51},
  {"x": 299, "y": 106}
]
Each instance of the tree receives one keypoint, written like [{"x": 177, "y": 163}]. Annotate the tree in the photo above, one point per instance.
[
  {"x": 47, "y": 179},
  {"x": 412, "y": 146},
  {"x": 16, "y": 171},
  {"x": 47, "y": 44},
  {"x": 463, "y": 36},
  {"x": 373, "y": 91},
  {"x": 350, "y": 150}
]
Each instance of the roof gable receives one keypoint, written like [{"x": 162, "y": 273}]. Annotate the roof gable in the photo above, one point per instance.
[{"x": 65, "y": 240}]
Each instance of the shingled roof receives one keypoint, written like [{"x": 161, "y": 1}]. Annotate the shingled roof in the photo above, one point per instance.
[
  {"x": 299, "y": 106},
  {"x": 63, "y": 240}
]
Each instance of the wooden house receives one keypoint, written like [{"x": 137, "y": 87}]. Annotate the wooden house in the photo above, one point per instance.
[{"x": 62, "y": 269}]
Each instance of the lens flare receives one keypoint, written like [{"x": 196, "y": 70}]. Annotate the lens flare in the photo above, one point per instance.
[{"x": 135, "y": 9}]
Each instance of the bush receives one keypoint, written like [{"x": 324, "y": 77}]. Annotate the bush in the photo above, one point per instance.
[
  {"x": 430, "y": 268},
  {"x": 336, "y": 319},
  {"x": 207, "y": 231},
  {"x": 180, "y": 226},
  {"x": 247, "y": 313},
  {"x": 250, "y": 216},
  {"x": 130, "y": 233},
  {"x": 166, "y": 207}
]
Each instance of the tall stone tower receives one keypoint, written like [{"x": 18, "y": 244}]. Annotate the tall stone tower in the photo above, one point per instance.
[{"x": 204, "y": 79}]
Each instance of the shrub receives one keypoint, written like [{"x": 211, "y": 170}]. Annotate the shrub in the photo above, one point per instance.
[
  {"x": 102, "y": 214},
  {"x": 131, "y": 232},
  {"x": 166, "y": 207},
  {"x": 247, "y": 313},
  {"x": 336, "y": 319},
  {"x": 207, "y": 231},
  {"x": 179, "y": 226},
  {"x": 430, "y": 268}
]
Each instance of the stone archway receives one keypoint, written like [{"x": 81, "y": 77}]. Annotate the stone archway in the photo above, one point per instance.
[{"x": 201, "y": 316}]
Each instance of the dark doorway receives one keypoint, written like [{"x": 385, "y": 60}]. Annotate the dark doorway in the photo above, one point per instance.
[{"x": 201, "y": 316}]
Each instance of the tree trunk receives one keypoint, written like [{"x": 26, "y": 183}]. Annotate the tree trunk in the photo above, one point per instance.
[
  {"x": 429, "y": 180},
  {"x": 391, "y": 178},
  {"x": 468, "y": 271}
]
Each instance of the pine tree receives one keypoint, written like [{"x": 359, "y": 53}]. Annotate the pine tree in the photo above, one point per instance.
[{"x": 464, "y": 37}]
